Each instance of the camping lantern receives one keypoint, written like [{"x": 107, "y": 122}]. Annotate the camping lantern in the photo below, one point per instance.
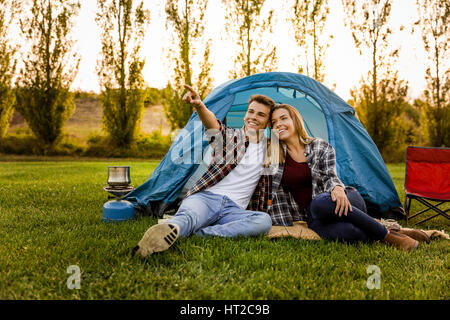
[{"x": 118, "y": 186}]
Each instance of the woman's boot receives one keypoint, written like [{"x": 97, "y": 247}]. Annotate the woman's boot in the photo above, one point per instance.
[
  {"x": 416, "y": 234},
  {"x": 401, "y": 241}
]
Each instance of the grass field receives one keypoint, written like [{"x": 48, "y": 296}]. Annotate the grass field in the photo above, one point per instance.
[{"x": 51, "y": 219}]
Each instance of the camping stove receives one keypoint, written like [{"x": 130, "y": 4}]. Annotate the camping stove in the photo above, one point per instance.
[{"x": 118, "y": 185}]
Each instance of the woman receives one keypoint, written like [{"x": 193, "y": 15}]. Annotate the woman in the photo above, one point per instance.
[{"x": 311, "y": 190}]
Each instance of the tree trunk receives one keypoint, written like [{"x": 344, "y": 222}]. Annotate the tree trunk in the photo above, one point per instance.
[
  {"x": 248, "y": 42},
  {"x": 374, "y": 89}
]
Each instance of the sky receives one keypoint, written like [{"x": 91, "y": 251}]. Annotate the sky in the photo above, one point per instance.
[{"x": 344, "y": 65}]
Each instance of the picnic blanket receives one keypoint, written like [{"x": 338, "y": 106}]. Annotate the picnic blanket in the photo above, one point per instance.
[{"x": 298, "y": 230}]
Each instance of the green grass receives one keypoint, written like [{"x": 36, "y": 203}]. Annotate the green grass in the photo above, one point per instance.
[{"x": 50, "y": 219}]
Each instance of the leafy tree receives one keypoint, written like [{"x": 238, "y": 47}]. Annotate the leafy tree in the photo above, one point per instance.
[
  {"x": 369, "y": 24},
  {"x": 385, "y": 120},
  {"x": 50, "y": 66},
  {"x": 187, "y": 19},
  {"x": 245, "y": 21},
  {"x": 8, "y": 11},
  {"x": 380, "y": 99},
  {"x": 308, "y": 19},
  {"x": 123, "y": 25},
  {"x": 153, "y": 96},
  {"x": 434, "y": 20}
]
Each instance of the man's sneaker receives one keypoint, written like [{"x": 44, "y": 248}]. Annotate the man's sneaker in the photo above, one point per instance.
[{"x": 157, "y": 238}]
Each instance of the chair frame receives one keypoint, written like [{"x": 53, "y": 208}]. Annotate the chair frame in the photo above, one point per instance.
[
  {"x": 424, "y": 200},
  {"x": 430, "y": 206}
]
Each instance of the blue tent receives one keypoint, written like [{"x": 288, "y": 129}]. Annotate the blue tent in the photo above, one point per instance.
[{"x": 359, "y": 164}]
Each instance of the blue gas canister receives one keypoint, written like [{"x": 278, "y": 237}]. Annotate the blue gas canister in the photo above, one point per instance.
[{"x": 118, "y": 210}]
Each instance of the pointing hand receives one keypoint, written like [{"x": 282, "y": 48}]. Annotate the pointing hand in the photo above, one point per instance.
[{"x": 192, "y": 97}]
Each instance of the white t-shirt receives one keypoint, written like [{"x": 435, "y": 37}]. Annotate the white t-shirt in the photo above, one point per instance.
[{"x": 241, "y": 182}]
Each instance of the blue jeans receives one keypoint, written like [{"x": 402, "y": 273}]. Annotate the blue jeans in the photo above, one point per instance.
[
  {"x": 356, "y": 226},
  {"x": 208, "y": 214}
]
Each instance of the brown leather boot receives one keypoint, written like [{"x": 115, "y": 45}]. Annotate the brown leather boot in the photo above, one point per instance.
[
  {"x": 401, "y": 241},
  {"x": 416, "y": 234}
]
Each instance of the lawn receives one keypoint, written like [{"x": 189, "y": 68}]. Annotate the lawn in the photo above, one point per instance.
[{"x": 51, "y": 219}]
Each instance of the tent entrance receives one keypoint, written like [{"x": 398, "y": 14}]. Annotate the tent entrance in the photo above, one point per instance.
[{"x": 312, "y": 113}]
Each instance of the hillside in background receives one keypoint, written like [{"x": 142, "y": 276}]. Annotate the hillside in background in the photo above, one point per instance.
[{"x": 87, "y": 119}]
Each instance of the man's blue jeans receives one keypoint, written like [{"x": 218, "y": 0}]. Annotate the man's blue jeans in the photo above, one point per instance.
[
  {"x": 208, "y": 214},
  {"x": 356, "y": 226}
]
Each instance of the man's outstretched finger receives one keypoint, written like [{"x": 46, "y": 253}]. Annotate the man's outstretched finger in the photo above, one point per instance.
[
  {"x": 189, "y": 88},
  {"x": 187, "y": 98}
]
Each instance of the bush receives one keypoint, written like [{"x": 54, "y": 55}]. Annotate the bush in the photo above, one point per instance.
[
  {"x": 90, "y": 95},
  {"x": 23, "y": 142},
  {"x": 407, "y": 133},
  {"x": 67, "y": 148},
  {"x": 98, "y": 146},
  {"x": 153, "y": 96},
  {"x": 154, "y": 146}
]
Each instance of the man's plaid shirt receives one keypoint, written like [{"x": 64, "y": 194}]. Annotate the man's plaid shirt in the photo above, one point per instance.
[
  {"x": 234, "y": 143},
  {"x": 321, "y": 159}
]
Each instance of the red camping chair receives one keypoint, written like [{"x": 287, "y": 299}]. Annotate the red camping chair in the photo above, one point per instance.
[{"x": 427, "y": 179}]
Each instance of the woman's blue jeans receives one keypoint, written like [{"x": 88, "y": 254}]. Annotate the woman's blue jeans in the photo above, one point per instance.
[
  {"x": 208, "y": 214},
  {"x": 356, "y": 226}
]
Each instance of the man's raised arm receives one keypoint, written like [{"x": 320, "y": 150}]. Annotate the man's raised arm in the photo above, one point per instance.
[{"x": 208, "y": 118}]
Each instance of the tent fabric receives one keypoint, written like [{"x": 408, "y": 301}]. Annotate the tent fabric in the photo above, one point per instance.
[{"x": 359, "y": 164}]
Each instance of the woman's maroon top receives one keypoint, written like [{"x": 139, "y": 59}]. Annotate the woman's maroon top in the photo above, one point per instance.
[{"x": 297, "y": 180}]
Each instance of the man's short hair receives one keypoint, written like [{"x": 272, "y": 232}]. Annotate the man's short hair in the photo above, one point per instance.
[{"x": 263, "y": 100}]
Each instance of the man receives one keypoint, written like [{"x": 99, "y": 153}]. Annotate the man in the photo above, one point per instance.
[{"x": 232, "y": 197}]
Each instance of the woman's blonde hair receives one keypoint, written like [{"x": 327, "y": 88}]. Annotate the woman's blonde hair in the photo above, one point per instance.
[{"x": 272, "y": 156}]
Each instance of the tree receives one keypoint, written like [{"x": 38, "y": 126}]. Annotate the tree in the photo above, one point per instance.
[
  {"x": 369, "y": 25},
  {"x": 123, "y": 25},
  {"x": 379, "y": 101},
  {"x": 187, "y": 19},
  {"x": 8, "y": 11},
  {"x": 383, "y": 120},
  {"x": 43, "y": 96},
  {"x": 434, "y": 20},
  {"x": 245, "y": 21},
  {"x": 308, "y": 20}
]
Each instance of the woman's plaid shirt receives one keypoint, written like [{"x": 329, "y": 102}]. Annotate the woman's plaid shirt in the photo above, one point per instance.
[
  {"x": 234, "y": 143},
  {"x": 321, "y": 159}
]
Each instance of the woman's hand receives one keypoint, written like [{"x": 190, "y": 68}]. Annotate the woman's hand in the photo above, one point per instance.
[{"x": 342, "y": 204}]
